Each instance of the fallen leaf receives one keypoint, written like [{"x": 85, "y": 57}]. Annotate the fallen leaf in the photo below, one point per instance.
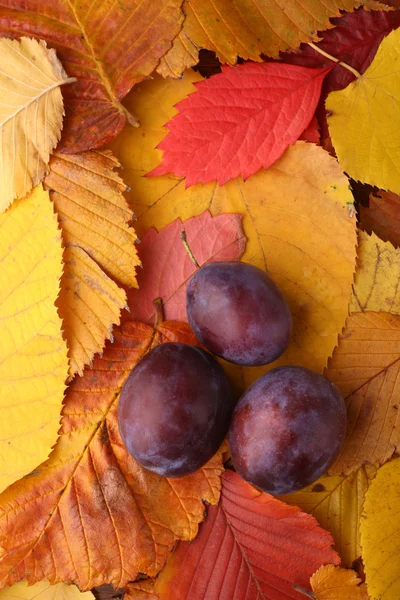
[
  {"x": 33, "y": 355},
  {"x": 89, "y": 304},
  {"x": 107, "y": 46},
  {"x": 91, "y": 514},
  {"x": 31, "y": 114},
  {"x": 365, "y": 366},
  {"x": 295, "y": 218},
  {"x": 141, "y": 590},
  {"x": 167, "y": 267},
  {"x": 183, "y": 55},
  {"x": 337, "y": 502},
  {"x": 250, "y": 546},
  {"x": 233, "y": 28},
  {"x": 380, "y": 534},
  {"x": 335, "y": 583},
  {"x": 94, "y": 218},
  {"x": 382, "y": 216},
  {"x": 362, "y": 116},
  {"x": 354, "y": 40},
  {"x": 312, "y": 133},
  {"x": 44, "y": 591},
  {"x": 239, "y": 121},
  {"x": 376, "y": 277}
]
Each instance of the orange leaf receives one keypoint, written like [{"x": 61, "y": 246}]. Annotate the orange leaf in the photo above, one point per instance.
[
  {"x": 108, "y": 46},
  {"x": 183, "y": 55},
  {"x": 94, "y": 218},
  {"x": 251, "y": 546},
  {"x": 382, "y": 216},
  {"x": 91, "y": 514},
  {"x": 365, "y": 366},
  {"x": 141, "y": 590},
  {"x": 335, "y": 583}
]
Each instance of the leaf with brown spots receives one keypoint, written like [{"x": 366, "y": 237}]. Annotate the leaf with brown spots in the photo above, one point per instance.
[{"x": 91, "y": 514}]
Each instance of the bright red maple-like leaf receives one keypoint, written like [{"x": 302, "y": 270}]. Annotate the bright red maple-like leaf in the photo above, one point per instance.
[
  {"x": 239, "y": 121},
  {"x": 167, "y": 266},
  {"x": 312, "y": 133},
  {"x": 251, "y": 546}
]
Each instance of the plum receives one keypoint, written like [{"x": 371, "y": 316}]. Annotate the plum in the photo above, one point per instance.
[
  {"x": 174, "y": 410},
  {"x": 286, "y": 429},
  {"x": 238, "y": 312}
]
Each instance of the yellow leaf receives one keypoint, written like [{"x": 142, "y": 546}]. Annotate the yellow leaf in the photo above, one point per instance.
[
  {"x": 245, "y": 28},
  {"x": 94, "y": 217},
  {"x": 295, "y": 219},
  {"x": 364, "y": 119},
  {"x": 33, "y": 355},
  {"x": 31, "y": 112},
  {"x": 366, "y": 366},
  {"x": 337, "y": 502},
  {"x": 89, "y": 304},
  {"x": 380, "y": 533},
  {"x": 376, "y": 280},
  {"x": 183, "y": 55},
  {"x": 335, "y": 583},
  {"x": 44, "y": 591}
]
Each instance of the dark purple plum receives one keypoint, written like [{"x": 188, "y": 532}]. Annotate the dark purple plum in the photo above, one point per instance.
[
  {"x": 238, "y": 312},
  {"x": 174, "y": 409},
  {"x": 287, "y": 429}
]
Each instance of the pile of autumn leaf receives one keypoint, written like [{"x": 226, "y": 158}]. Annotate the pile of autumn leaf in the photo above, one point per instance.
[{"x": 252, "y": 163}]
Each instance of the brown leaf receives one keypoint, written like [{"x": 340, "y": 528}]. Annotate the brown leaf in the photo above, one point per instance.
[
  {"x": 91, "y": 514},
  {"x": 382, "y": 216}
]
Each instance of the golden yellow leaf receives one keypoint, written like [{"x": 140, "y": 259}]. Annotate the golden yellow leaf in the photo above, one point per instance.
[
  {"x": 295, "y": 219},
  {"x": 89, "y": 304},
  {"x": 366, "y": 366},
  {"x": 44, "y": 591},
  {"x": 183, "y": 55},
  {"x": 33, "y": 355},
  {"x": 380, "y": 533},
  {"x": 245, "y": 28},
  {"x": 337, "y": 502},
  {"x": 335, "y": 583},
  {"x": 376, "y": 285},
  {"x": 94, "y": 218},
  {"x": 31, "y": 113},
  {"x": 364, "y": 118}
]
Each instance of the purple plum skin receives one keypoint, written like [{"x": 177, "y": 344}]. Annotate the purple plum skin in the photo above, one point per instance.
[
  {"x": 238, "y": 312},
  {"x": 174, "y": 409},
  {"x": 287, "y": 429}
]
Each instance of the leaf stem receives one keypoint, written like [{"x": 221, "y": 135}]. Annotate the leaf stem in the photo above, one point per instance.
[
  {"x": 188, "y": 250},
  {"x": 158, "y": 303},
  {"x": 334, "y": 59},
  {"x": 303, "y": 591}
]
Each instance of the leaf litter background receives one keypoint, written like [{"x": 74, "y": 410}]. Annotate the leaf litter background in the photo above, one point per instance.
[{"x": 296, "y": 219}]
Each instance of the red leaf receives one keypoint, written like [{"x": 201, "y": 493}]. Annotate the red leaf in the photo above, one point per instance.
[
  {"x": 251, "y": 546},
  {"x": 239, "y": 121},
  {"x": 167, "y": 266},
  {"x": 311, "y": 133},
  {"x": 354, "y": 40}
]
